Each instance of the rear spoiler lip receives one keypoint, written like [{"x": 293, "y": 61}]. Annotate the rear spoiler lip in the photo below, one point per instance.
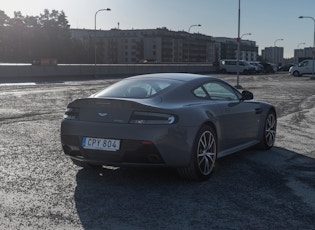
[{"x": 134, "y": 102}]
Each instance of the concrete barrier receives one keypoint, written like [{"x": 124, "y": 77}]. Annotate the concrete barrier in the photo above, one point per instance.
[{"x": 20, "y": 73}]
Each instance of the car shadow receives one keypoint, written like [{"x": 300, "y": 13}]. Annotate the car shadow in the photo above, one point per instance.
[{"x": 157, "y": 198}]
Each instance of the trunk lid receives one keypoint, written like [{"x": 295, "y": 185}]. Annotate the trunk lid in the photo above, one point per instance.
[{"x": 106, "y": 110}]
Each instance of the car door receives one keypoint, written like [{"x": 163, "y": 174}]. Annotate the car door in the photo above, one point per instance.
[
  {"x": 305, "y": 67},
  {"x": 238, "y": 120}
]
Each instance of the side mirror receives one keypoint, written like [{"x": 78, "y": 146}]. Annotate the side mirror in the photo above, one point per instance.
[{"x": 247, "y": 95}]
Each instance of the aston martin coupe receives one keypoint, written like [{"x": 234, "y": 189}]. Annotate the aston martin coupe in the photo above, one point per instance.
[{"x": 185, "y": 121}]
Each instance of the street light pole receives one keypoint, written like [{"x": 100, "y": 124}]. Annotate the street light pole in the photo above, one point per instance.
[
  {"x": 238, "y": 58},
  {"x": 95, "y": 48},
  {"x": 274, "y": 50},
  {"x": 297, "y": 53},
  {"x": 302, "y": 43},
  {"x": 313, "y": 51},
  {"x": 280, "y": 39},
  {"x": 245, "y": 34},
  {"x": 238, "y": 86},
  {"x": 189, "y": 40},
  {"x": 239, "y": 47},
  {"x": 192, "y": 26}
]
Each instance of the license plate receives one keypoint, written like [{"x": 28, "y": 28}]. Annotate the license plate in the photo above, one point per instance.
[{"x": 100, "y": 144}]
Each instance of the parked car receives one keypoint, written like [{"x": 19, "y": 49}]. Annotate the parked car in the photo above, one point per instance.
[
  {"x": 285, "y": 67},
  {"x": 268, "y": 68},
  {"x": 230, "y": 66},
  {"x": 184, "y": 121},
  {"x": 304, "y": 67},
  {"x": 258, "y": 67}
]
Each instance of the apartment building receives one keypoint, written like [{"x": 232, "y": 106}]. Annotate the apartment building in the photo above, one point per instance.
[
  {"x": 302, "y": 54},
  {"x": 229, "y": 46},
  {"x": 161, "y": 46},
  {"x": 273, "y": 54}
]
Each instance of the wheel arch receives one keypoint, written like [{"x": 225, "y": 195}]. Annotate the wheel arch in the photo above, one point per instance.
[
  {"x": 273, "y": 109},
  {"x": 195, "y": 169},
  {"x": 261, "y": 137},
  {"x": 212, "y": 125},
  {"x": 206, "y": 123},
  {"x": 269, "y": 108},
  {"x": 296, "y": 73}
]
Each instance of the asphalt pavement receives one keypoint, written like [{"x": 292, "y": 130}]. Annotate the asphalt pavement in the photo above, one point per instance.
[{"x": 41, "y": 189}]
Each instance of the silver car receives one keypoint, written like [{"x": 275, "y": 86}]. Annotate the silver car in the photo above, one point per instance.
[{"x": 185, "y": 121}]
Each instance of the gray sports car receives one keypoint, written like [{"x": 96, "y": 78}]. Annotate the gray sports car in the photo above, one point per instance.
[{"x": 176, "y": 120}]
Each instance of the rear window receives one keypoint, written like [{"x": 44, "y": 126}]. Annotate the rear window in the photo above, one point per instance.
[{"x": 137, "y": 88}]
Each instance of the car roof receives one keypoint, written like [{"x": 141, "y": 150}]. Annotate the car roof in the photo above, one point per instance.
[{"x": 175, "y": 76}]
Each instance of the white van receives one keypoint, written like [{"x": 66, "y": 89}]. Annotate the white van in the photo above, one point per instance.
[
  {"x": 230, "y": 66},
  {"x": 304, "y": 67}
]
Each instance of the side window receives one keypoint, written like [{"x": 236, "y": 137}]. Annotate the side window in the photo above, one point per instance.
[
  {"x": 230, "y": 62},
  {"x": 220, "y": 91},
  {"x": 199, "y": 92}
]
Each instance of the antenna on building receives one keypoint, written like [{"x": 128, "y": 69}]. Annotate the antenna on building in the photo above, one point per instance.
[{"x": 118, "y": 25}]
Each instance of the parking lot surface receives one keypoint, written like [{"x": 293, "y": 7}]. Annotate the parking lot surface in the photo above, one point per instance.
[{"x": 41, "y": 189}]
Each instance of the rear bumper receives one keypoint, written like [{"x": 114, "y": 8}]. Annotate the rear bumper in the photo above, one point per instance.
[
  {"x": 163, "y": 145},
  {"x": 131, "y": 152}
]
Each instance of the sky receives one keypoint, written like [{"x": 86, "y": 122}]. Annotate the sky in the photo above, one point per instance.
[{"x": 266, "y": 20}]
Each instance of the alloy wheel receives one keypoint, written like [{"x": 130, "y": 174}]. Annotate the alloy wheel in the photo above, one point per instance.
[
  {"x": 270, "y": 129},
  {"x": 206, "y": 152}
]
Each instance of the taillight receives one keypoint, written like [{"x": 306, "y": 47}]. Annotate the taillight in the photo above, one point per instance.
[
  {"x": 72, "y": 113},
  {"x": 149, "y": 118}
]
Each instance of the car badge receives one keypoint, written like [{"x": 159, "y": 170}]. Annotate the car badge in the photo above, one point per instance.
[{"x": 102, "y": 114}]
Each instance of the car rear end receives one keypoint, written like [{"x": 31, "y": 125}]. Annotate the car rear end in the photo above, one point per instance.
[{"x": 121, "y": 132}]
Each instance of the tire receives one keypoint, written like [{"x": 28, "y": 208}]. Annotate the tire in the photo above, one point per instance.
[
  {"x": 296, "y": 74},
  {"x": 203, "y": 156},
  {"x": 269, "y": 131},
  {"x": 83, "y": 164}
]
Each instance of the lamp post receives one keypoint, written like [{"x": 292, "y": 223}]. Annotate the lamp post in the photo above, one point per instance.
[
  {"x": 297, "y": 54},
  {"x": 245, "y": 34},
  {"x": 238, "y": 58},
  {"x": 239, "y": 47},
  {"x": 313, "y": 41},
  {"x": 192, "y": 26},
  {"x": 189, "y": 41},
  {"x": 302, "y": 43},
  {"x": 274, "y": 50},
  {"x": 280, "y": 39},
  {"x": 95, "y": 48},
  {"x": 238, "y": 86}
]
